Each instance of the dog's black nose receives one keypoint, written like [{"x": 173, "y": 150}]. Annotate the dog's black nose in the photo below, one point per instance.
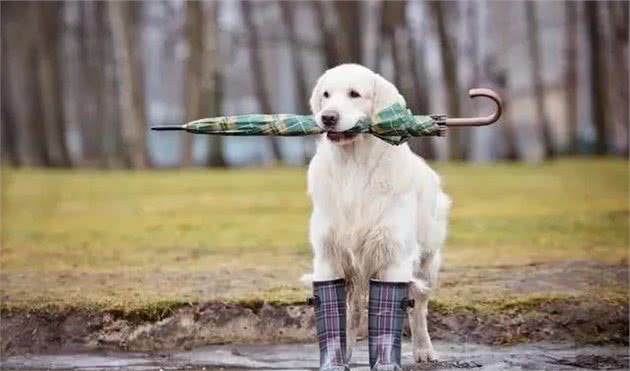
[{"x": 330, "y": 118}]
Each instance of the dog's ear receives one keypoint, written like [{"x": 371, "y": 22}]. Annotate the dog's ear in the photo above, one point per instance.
[
  {"x": 385, "y": 94},
  {"x": 316, "y": 97}
]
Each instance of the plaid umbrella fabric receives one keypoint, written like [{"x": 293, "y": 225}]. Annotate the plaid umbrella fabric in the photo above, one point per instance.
[{"x": 395, "y": 125}]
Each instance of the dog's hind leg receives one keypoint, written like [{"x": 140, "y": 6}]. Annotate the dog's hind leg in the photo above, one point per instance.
[
  {"x": 427, "y": 277},
  {"x": 420, "y": 292}
]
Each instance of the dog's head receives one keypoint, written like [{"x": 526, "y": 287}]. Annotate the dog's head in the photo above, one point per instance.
[{"x": 346, "y": 94}]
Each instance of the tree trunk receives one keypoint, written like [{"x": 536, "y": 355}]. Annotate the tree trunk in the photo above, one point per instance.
[
  {"x": 349, "y": 22},
  {"x": 571, "y": 74},
  {"x": 112, "y": 150},
  {"x": 8, "y": 125},
  {"x": 395, "y": 32},
  {"x": 36, "y": 126},
  {"x": 135, "y": 11},
  {"x": 130, "y": 92},
  {"x": 90, "y": 84},
  {"x": 193, "y": 78},
  {"x": 212, "y": 81},
  {"x": 329, "y": 39},
  {"x": 618, "y": 21},
  {"x": 48, "y": 16},
  {"x": 494, "y": 68},
  {"x": 7, "y": 133},
  {"x": 288, "y": 15},
  {"x": 422, "y": 145},
  {"x": 394, "y": 29},
  {"x": 215, "y": 153},
  {"x": 22, "y": 79},
  {"x": 537, "y": 77},
  {"x": 473, "y": 15},
  {"x": 598, "y": 77},
  {"x": 449, "y": 69},
  {"x": 256, "y": 62},
  {"x": 470, "y": 65},
  {"x": 394, "y": 35}
]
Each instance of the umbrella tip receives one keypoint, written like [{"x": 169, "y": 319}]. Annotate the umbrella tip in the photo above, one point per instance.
[{"x": 167, "y": 127}]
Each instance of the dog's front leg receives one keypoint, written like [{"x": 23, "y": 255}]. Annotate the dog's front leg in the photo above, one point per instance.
[
  {"x": 329, "y": 295},
  {"x": 393, "y": 249},
  {"x": 323, "y": 242}
]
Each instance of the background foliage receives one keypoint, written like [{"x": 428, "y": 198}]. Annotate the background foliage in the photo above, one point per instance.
[{"x": 83, "y": 81}]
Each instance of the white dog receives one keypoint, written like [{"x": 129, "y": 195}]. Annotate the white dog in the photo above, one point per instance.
[{"x": 378, "y": 209}]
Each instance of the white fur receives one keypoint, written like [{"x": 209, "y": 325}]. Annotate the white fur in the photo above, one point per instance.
[{"x": 378, "y": 209}]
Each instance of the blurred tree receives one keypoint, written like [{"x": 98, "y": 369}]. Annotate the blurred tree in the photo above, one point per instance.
[
  {"x": 419, "y": 74},
  {"x": 8, "y": 132},
  {"x": 492, "y": 43},
  {"x": 537, "y": 77},
  {"x": 287, "y": 8},
  {"x": 193, "y": 75},
  {"x": 508, "y": 130},
  {"x": 617, "y": 12},
  {"x": 136, "y": 9},
  {"x": 91, "y": 85},
  {"x": 349, "y": 22},
  {"x": 216, "y": 158},
  {"x": 423, "y": 145},
  {"x": 108, "y": 109},
  {"x": 334, "y": 53},
  {"x": 22, "y": 81},
  {"x": 395, "y": 33},
  {"x": 89, "y": 92},
  {"x": 599, "y": 83},
  {"x": 131, "y": 94},
  {"x": 471, "y": 74},
  {"x": 571, "y": 73},
  {"x": 212, "y": 80},
  {"x": 48, "y": 18},
  {"x": 449, "y": 69},
  {"x": 288, "y": 15},
  {"x": 256, "y": 63},
  {"x": 473, "y": 30}
]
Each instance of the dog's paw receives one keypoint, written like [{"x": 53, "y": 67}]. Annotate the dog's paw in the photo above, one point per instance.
[{"x": 425, "y": 355}]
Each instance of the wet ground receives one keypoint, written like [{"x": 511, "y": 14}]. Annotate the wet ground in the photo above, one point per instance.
[{"x": 538, "y": 356}]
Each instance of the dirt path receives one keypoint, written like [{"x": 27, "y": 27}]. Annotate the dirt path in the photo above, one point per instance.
[
  {"x": 582, "y": 302},
  {"x": 537, "y": 356}
]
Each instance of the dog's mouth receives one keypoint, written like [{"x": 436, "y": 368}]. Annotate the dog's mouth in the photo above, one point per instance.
[{"x": 340, "y": 137}]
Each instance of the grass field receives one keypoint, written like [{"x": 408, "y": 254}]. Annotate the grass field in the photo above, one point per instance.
[{"x": 134, "y": 239}]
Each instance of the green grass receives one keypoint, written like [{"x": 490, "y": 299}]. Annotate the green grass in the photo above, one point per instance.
[{"x": 137, "y": 238}]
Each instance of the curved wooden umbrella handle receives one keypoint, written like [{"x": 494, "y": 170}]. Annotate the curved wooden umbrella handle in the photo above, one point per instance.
[{"x": 479, "y": 121}]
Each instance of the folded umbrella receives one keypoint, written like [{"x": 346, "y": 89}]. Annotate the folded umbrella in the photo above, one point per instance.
[{"x": 395, "y": 124}]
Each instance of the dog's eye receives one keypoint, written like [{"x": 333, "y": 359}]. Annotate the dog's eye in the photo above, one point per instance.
[
  {"x": 354, "y": 94},
  {"x": 326, "y": 95}
]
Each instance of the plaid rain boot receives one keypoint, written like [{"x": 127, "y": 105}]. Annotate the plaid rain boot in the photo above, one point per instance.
[
  {"x": 329, "y": 301},
  {"x": 387, "y": 310}
]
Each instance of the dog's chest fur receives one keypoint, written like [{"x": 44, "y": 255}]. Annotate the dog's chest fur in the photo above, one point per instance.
[{"x": 355, "y": 192}]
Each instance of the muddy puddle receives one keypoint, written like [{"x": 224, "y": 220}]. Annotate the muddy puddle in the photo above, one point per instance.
[{"x": 536, "y": 356}]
